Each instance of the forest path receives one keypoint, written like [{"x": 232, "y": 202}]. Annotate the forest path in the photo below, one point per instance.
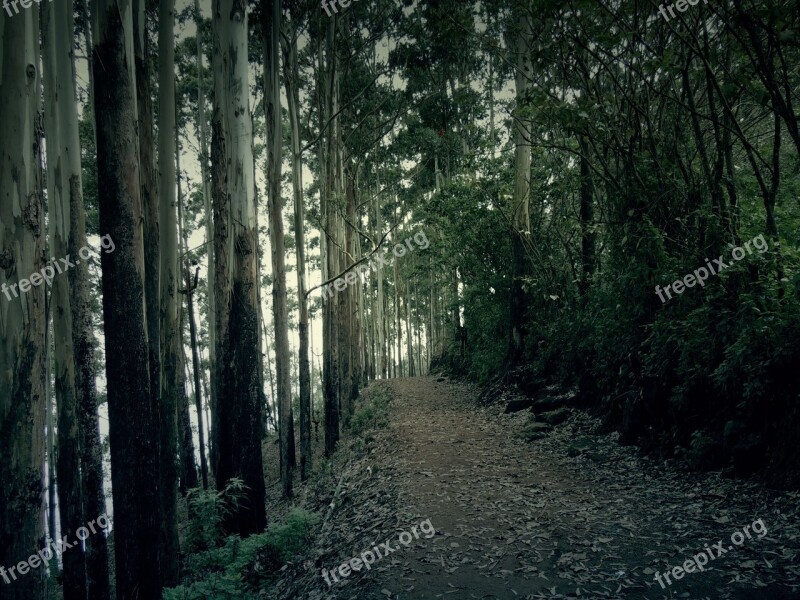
[{"x": 571, "y": 515}]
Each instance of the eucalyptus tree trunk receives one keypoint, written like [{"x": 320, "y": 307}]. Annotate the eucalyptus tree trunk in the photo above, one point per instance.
[
  {"x": 346, "y": 303},
  {"x": 209, "y": 217},
  {"x": 188, "y": 466},
  {"x": 133, "y": 423},
  {"x": 67, "y": 205},
  {"x": 330, "y": 341},
  {"x": 587, "y": 218},
  {"x": 148, "y": 183},
  {"x": 70, "y": 505},
  {"x": 382, "y": 369},
  {"x": 272, "y": 110},
  {"x": 409, "y": 339},
  {"x": 520, "y": 47},
  {"x": 22, "y": 317},
  {"x": 237, "y": 417},
  {"x": 50, "y": 421},
  {"x": 196, "y": 369},
  {"x": 398, "y": 328},
  {"x": 170, "y": 332},
  {"x": 430, "y": 329},
  {"x": 291, "y": 80},
  {"x": 354, "y": 345}
]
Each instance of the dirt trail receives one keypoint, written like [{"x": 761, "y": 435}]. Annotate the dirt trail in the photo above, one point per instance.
[{"x": 572, "y": 515}]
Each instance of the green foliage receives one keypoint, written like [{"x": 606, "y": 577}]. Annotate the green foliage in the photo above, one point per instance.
[
  {"x": 241, "y": 567},
  {"x": 207, "y": 511}
]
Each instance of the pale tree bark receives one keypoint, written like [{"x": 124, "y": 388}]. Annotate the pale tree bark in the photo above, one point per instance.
[
  {"x": 409, "y": 333},
  {"x": 187, "y": 475},
  {"x": 209, "y": 222},
  {"x": 22, "y": 315},
  {"x": 70, "y": 505},
  {"x": 354, "y": 346},
  {"x": 238, "y": 423},
  {"x": 398, "y": 327},
  {"x": 291, "y": 81},
  {"x": 168, "y": 297},
  {"x": 520, "y": 44},
  {"x": 50, "y": 420},
  {"x": 430, "y": 329},
  {"x": 189, "y": 290},
  {"x": 188, "y": 467},
  {"x": 330, "y": 340},
  {"x": 209, "y": 217},
  {"x": 133, "y": 423},
  {"x": 68, "y": 204},
  {"x": 271, "y": 13},
  {"x": 148, "y": 180},
  {"x": 380, "y": 295}
]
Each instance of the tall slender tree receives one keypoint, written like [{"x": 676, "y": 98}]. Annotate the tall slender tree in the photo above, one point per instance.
[
  {"x": 520, "y": 43},
  {"x": 271, "y": 31},
  {"x": 170, "y": 394},
  {"x": 292, "y": 81}
]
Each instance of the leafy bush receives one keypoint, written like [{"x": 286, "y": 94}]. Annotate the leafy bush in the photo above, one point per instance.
[
  {"x": 240, "y": 567},
  {"x": 374, "y": 411},
  {"x": 207, "y": 511}
]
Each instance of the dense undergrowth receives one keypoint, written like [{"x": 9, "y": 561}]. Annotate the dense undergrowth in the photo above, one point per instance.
[
  {"x": 221, "y": 567},
  {"x": 227, "y": 567},
  {"x": 709, "y": 376}
]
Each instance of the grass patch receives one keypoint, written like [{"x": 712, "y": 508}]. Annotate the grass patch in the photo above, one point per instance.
[{"x": 373, "y": 412}]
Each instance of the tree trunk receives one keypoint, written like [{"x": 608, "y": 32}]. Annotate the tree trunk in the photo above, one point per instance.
[
  {"x": 520, "y": 45},
  {"x": 188, "y": 470},
  {"x": 133, "y": 423},
  {"x": 409, "y": 335},
  {"x": 330, "y": 312},
  {"x": 170, "y": 333},
  {"x": 196, "y": 370},
  {"x": 272, "y": 109},
  {"x": 51, "y": 462},
  {"x": 209, "y": 222},
  {"x": 291, "y": 79},
  {"x": 22, "y": 320},
  {"x": 238, "y": 424},
  {"x": 67, "y": 202},
  {"x": 587, "y": 218},
  {"x": 148, "y": 182},
  {"x": 70, "y": 505}
]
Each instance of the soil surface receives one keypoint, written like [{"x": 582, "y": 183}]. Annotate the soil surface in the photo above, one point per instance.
[{"x": 569, "y": 515}]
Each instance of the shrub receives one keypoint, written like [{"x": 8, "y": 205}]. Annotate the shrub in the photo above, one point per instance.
[{"x": 240, "y": 567}]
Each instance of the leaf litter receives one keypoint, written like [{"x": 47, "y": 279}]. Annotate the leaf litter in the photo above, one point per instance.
[{"x": 535, "y": 520}]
